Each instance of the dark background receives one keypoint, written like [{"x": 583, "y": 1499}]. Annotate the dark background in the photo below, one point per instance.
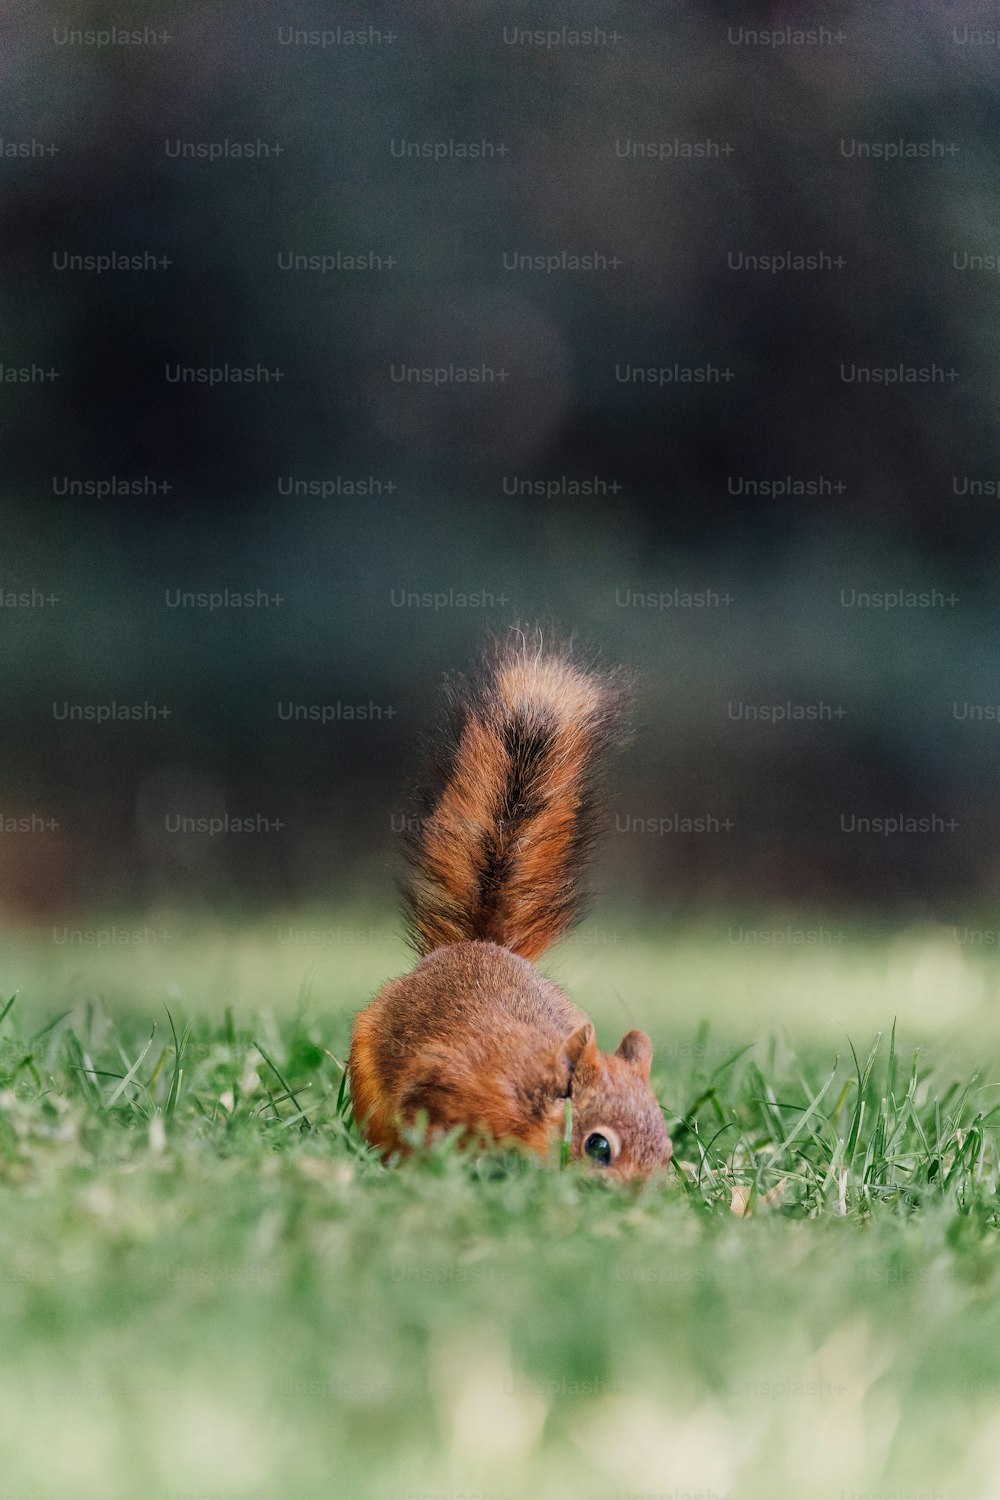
[{"x": 892, "y": 465}]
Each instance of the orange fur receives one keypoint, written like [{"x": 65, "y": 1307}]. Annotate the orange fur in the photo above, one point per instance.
[
  {"x": 497, "y": 855},
  {"x": 475, "y": 1038}
]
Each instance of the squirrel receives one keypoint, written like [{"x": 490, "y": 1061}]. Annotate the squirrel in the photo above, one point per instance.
[{"x": 475, "y": 1036}]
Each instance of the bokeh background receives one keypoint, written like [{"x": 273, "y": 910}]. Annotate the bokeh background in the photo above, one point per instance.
[
  {"x": 198, "y": 1296},
  {"x": 565, "y": 492}
]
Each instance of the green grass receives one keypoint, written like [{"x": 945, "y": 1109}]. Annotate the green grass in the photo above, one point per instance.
[{"x": 208, "y": 1286}]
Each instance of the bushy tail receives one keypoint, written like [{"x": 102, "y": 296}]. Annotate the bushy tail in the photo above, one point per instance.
[{"x": 511, "y": 809}]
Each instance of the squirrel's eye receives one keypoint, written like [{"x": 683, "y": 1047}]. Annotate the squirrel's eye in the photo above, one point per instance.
[{"x": 598, "y": 1148}]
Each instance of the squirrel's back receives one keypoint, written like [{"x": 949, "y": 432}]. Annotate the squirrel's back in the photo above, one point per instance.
[{"x": 469, "y": 1037}]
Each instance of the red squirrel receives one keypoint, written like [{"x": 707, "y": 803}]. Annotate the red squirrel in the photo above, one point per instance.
[{"x": 475, "y": 1036}]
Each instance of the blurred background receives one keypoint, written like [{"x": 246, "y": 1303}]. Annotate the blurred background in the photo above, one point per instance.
[
  {"x": 334, "y": 336},
  {"x": 636, "y": 424}
]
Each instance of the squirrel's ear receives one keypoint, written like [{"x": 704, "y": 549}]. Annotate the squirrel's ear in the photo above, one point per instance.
[
  {"x": 580, "y": 1048},
  {"x": 636, "y": 1048}
]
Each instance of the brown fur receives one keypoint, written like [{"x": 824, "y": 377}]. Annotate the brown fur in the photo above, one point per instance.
[
  {"x": 475, "y": 1037},
  {"x": 506, "y": 825}
]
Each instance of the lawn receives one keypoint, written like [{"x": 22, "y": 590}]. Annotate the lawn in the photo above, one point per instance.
[{"x": 208, "y": 1287}]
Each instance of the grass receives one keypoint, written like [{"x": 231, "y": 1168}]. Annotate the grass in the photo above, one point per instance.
[{"x": 208, "y": 1286}]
